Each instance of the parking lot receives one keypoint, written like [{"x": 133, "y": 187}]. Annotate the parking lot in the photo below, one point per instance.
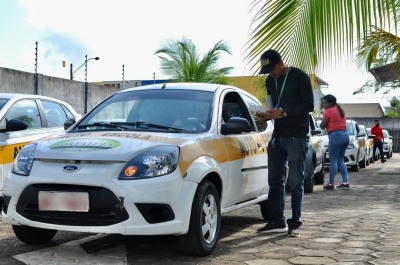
[{"x": 356, "y": 226}]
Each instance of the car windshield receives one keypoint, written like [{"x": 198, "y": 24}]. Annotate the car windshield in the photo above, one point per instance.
[
  {"x": 152, "y": 110},
  {"x": 350, "y": 128},
  {"x": 385, "y": 134},
  {"x": 3, "y": 101}
]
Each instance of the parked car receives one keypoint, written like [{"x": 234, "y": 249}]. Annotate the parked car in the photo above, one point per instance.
[
  {"x": 387, "y": 144},
  {"x": 369, "y": 141},
  {"x": 25, "y": 118},
  {"x": 124, "y": 169},
  {"x": 356, "y": 154}
]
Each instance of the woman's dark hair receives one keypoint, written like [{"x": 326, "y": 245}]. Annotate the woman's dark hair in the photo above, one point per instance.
[{"x": 331, "y": 99}]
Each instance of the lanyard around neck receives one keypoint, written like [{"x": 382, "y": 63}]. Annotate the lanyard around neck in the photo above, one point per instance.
[{"x": 283, "y": 86}]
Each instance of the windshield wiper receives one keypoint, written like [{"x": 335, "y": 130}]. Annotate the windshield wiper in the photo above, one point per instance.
[
  {"x": 103, "y": 124},
  {"x": 153, "y": 125},
  {"x": 137, "y": 124}
]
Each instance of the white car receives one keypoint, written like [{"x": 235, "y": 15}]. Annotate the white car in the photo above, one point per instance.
[
  {"x": 25, "y": 118},
  {"x": 369, "y": 142},
  {"x": 164, "y": 159},
  {"x": 387, "y": 144}
]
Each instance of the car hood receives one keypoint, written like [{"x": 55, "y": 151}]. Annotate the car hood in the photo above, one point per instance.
[{"x": 103, "y": 146}]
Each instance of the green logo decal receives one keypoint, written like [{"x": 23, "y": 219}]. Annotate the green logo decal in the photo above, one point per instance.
[{"x": 88, "y": 144}]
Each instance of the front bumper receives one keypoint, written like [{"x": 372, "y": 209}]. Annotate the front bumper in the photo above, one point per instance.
[{"x": 155, "y": 206}]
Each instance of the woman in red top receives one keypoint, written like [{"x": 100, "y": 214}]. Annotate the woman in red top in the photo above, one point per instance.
[{"x": 334, "y": 120}]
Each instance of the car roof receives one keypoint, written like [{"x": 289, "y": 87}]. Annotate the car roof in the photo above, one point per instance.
[
  {"x": 184, "y": 86},
  {"x": 16, "y": 96}
]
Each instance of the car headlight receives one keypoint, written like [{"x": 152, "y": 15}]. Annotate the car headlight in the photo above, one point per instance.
[
  {"x": 350, "y": 146},
  {"x": 154, "y": 162},
  {"x": 24, "y": 161}
]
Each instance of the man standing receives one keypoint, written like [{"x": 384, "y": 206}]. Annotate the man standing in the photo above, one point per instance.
[
  {"x": 290, "y": 93},
  {"x": 378, "y": 140}
]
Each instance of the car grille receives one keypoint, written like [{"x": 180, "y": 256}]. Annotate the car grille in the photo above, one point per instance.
[{"x": 104, "y": 207}]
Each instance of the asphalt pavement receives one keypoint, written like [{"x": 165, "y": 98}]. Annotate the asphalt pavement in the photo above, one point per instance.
[{"x": 345, "y": 227}]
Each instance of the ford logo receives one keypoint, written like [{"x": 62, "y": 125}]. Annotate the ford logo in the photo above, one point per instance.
[{"x": 71, "y": 168}]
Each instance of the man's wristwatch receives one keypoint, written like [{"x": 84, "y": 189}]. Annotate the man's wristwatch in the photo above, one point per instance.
[{"x": 284, "y": 113}]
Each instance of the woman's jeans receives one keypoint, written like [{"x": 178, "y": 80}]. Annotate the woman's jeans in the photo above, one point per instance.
[
  {"x": 280, "y": 150},
  {"x": 338, "y": 142}
]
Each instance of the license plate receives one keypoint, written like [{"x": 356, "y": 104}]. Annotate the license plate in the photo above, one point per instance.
[{"x": 63, "y": 201}]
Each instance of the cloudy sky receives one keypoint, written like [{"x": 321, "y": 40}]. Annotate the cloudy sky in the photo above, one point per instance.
[{"x": 128, "y": 32}]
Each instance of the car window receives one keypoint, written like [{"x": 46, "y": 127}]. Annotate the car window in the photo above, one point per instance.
[
  {"x": 25, "y": 110},
  {"x": 55, "y": 114},
  {"x": 253, "y": 106},
  {"x": 233, "y": 106},
  {"x": 3, "y": 101},
  {"x": 350, "y": 128},
  {"x": 182, "y": 109}
]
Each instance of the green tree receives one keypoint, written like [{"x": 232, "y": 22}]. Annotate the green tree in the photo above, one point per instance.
[
  {"x": 313, "y": 34},
  {"x": 181, "y": 60},
  {"x": 380, "y": 47},
  {"x": 394, "y": 109}
]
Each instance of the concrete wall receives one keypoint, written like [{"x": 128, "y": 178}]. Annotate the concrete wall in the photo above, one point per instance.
[{"x": 73, "y": 92}]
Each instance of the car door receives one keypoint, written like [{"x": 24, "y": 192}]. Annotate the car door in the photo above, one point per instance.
[{"x": 247, "y": 153}]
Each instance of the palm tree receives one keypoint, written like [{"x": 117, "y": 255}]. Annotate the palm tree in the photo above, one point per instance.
[
  {"x": 181, "y": 61},
  {"x": 313, "y": 34}
]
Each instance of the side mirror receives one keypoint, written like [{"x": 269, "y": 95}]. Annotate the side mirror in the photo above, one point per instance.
[
  {"x": 12, "y": 125},
  {"x": 236, "y": 125},
  {"x": 317, "y": 132},
  {"x": 68, "y": 123}
]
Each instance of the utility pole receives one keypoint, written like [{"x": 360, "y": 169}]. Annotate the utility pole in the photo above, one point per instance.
[
  {"x": 123, "y": 75},
  {"x": 36, "y": 81}
]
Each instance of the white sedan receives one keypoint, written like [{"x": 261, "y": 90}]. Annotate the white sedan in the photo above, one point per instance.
[{"x": 152, "y": 160}]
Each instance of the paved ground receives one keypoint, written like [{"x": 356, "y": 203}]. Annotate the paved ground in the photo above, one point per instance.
[{"x": 345, "y": 227}]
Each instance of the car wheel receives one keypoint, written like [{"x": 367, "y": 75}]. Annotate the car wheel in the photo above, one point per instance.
[
  {"x": 320, "y": 175},
  {"x": 363, "y": 163},
  {"x": 205, "y": 220},
  {"x": 32, "y": 235},
  {"x": 388, "y": 155},
  {"x": 309, "y": 185},
  {"x": 356, "y": 167}
]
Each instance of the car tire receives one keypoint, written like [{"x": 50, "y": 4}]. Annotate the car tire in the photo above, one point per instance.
[
  {"x": 33, "y": 235},
  {"x": 363, "y": 163},
  {"x": 319, "y": 177},
  {"x": 309, "y": 185},
  {"x": 206, "y": 211}
]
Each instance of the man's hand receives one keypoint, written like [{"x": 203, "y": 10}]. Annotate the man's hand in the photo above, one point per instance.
[
  {"x": 262, "y": 116},
  {"x": 274, "y": 113}
]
